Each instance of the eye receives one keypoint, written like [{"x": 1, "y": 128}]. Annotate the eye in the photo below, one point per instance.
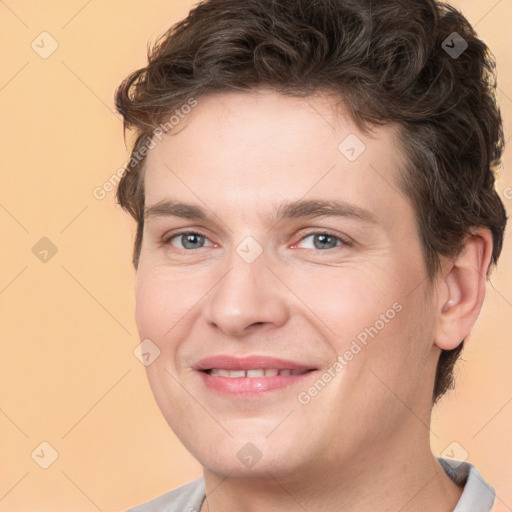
[
  {"x": 322, "y": 240},
  {"x": 189, "y": 240},
  {"x": 186, "y": 240}
]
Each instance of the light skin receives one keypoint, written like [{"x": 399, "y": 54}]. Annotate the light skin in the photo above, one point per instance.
[{"x": 362, "y": 443}]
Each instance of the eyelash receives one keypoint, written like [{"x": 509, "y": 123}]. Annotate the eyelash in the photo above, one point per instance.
[{"x": 344, "y": 241}]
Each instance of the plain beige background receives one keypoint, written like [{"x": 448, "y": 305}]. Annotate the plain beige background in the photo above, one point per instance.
[{"x": 69, "y": 375}]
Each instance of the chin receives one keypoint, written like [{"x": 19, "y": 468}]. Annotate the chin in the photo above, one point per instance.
[
  {"x": 255, "y": 458},
  {"x": 263, "y": 469}
]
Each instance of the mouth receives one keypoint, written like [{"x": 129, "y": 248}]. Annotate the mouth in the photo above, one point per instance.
[{"x": 250, "y": 376}]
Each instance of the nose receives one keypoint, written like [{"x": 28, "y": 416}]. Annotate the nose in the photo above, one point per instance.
[{"x": 248, "y": 297}]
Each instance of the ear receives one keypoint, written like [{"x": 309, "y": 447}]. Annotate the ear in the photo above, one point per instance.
[{"x": 462, "y": 290}]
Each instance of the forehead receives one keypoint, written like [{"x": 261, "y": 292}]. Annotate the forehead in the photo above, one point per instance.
[{"x": 249, "y": 149}]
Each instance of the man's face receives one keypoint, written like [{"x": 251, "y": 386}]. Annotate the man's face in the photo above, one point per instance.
[{"x": 341, "y": 299}]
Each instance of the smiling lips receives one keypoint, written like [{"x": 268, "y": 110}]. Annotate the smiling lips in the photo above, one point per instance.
[
  {"x": 253, "y": 373},
  {"x": 249, "y": 376}
]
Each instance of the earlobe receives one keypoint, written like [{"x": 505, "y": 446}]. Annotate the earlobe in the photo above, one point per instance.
[{"x": 463, "y": 283}]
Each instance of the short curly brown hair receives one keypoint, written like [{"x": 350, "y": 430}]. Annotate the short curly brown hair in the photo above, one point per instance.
[{"x": 390, "y": 62}]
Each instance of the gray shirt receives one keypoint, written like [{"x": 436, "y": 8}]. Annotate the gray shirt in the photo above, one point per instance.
[{"x": 478, "y": 496}]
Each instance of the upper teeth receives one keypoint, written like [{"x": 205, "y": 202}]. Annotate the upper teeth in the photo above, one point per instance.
[{"x": 253, "y": 373}]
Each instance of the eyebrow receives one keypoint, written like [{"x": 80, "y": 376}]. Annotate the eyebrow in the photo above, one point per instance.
[{"x": 299, "y": 209}]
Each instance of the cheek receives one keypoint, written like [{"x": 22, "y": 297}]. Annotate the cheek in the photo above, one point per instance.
[
  {"x": 349, "y": 303},
  {"x": 397, "y": 352},
  {"x": 162, "y": 301},
  {"x": 151, "y": 303},
  {"x": 372, "y": 321},
  {"x": 162, "y": 309}
]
